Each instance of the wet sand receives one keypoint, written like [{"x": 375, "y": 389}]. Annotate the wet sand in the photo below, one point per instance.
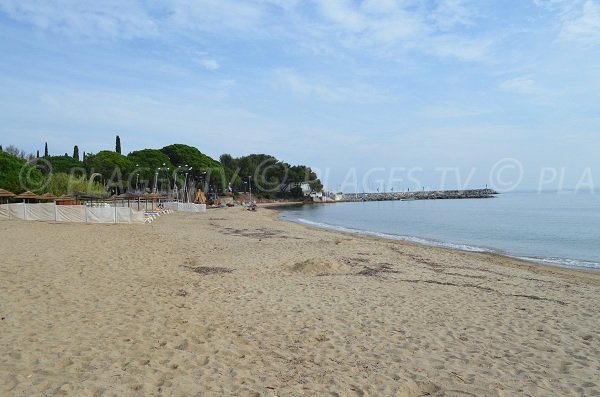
[{"x": 239, "y": 303}]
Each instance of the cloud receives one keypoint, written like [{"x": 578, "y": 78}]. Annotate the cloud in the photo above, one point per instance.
[
  {"x": 583, "y": 25},
  {"x": 520, "y": 85},
  {"x": 454, "y": 111},
  {"x": 327, "y": 91},
  {"x": 451, "y": 13},
  {"x": 577, "y": 21},
  {"x": 209, "y": 64},
  {"x": 110, "y": 19},
  {"x": 214, "y": 15},
  {"x": 385, "y": 28}
]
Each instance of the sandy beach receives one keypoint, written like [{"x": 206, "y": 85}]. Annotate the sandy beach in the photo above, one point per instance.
[{"x": 239, "y": 303}]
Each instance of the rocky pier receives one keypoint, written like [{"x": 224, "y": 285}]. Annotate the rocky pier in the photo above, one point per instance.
[{"x": 421, "y": 195}]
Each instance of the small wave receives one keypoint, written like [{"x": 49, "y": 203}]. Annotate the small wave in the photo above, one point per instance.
[
  {"x": 562, "y": 262},
  {"x": 433, "y": 243}
]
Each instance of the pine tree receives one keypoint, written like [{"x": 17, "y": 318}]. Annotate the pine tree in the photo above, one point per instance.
[
  {"x": 118, "y": 145},
  {"x": 76, "y": 152},
  {"x": 46, "y": 150}
]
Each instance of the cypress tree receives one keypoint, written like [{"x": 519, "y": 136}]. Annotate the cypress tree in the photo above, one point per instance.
[
  {"x": 83, "y": 156},
  {"x": 37, "y": 154},
  {"x": 46, "y": 150},
  {"x": 76, "y": 152},
  {"x": 118, "y": 145}
]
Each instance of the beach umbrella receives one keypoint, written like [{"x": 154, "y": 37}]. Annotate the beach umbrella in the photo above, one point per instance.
[
  {"x": 48, "y": 196},
  {"x": 152, "y": 197},
  {"x": 128, "y": 196},
  {"x": 28, "y": 195},
  {"x": 6, "y": 194},
  {"x": 64, "y": 197}
]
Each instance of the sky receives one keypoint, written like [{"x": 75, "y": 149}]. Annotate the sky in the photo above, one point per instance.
[{"x": 373, "y": 94}]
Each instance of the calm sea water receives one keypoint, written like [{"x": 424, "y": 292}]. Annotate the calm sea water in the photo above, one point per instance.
[{"x": 554, "y": 228}]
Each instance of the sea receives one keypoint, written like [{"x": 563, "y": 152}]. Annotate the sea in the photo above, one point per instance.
[{"x": 555, "y": 228}]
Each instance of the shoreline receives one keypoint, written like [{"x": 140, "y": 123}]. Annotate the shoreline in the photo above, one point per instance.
[
  {"x": 510, "y": 261},
  {"x": 237, "y": 302},
  {"x": 445, "y": 245}
]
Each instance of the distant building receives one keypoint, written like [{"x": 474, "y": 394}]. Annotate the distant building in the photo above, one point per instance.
[{"x": 305, "y": 187}]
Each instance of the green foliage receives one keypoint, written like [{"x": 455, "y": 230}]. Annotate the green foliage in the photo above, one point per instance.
[
  {"x": 75, "y": 152},
  {"x": 269, "y": 177},
  {"x": 147, "y": 162},
  {"x": 203, "y": 167},
  {"x": 61, "y": 183},
  {"x": 66, "y": 164},
  {"x": 181, "y": 155},
  {"x": 17, "y": 176},
  {"x": 114, "y": 168}
]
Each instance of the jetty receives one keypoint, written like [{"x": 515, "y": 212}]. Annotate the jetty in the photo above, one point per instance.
[{"x": 420, "y": 195}]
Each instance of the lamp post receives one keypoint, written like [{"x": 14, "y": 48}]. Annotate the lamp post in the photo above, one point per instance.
[
  {"x": 250, "y": 187},
  {"x": 137, "y": 178},
  {"x": 185, "y": 188},
  {"x": 176, "y": 192},
  {"x": 155, "y": 181}
]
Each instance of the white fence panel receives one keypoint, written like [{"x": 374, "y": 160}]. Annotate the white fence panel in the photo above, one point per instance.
[
  {"x": 123, "y": 215},
  {"x": 100, "y": 215},
  {"x": 70, "y": 213},
  {"x": 17, "y": 211},
  {"x": 4, "y": 211},
  {"x": 40, "y": 212},
  {"x": 137, "y": 217}
]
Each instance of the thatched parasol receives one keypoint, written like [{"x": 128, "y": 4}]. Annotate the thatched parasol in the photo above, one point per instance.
[
  {"x": 28, "y": 195},
  {"x": 152, "y": 197},
  {"x": 129, "y": 196},
  {"x": 6, "y": 194},
  {"x": 48, "y": 196}
]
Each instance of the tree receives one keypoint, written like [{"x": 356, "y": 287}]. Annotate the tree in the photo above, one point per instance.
[
  {"x": 46, "y": 150},
  {"x": 202, "y": 165},
  {"x": 76, "y": 152},
  {"x": 62, "y": 183},
  {"x": 65, "y": 164},
  {"x": 118, "y": 145},
  {"x": 12, "y": 149},
  {"x": 1, "y": 150},
  {"x": 37, "y": 154},
  {"x": 83, "y": 157},
  {"x": 114, "y": 168},
  {"x": 17, "y": 175},
  {"x": 181, "y": 155},
  {"x": 269, "y": 176},
  {"x": 147, "y": 162}
]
